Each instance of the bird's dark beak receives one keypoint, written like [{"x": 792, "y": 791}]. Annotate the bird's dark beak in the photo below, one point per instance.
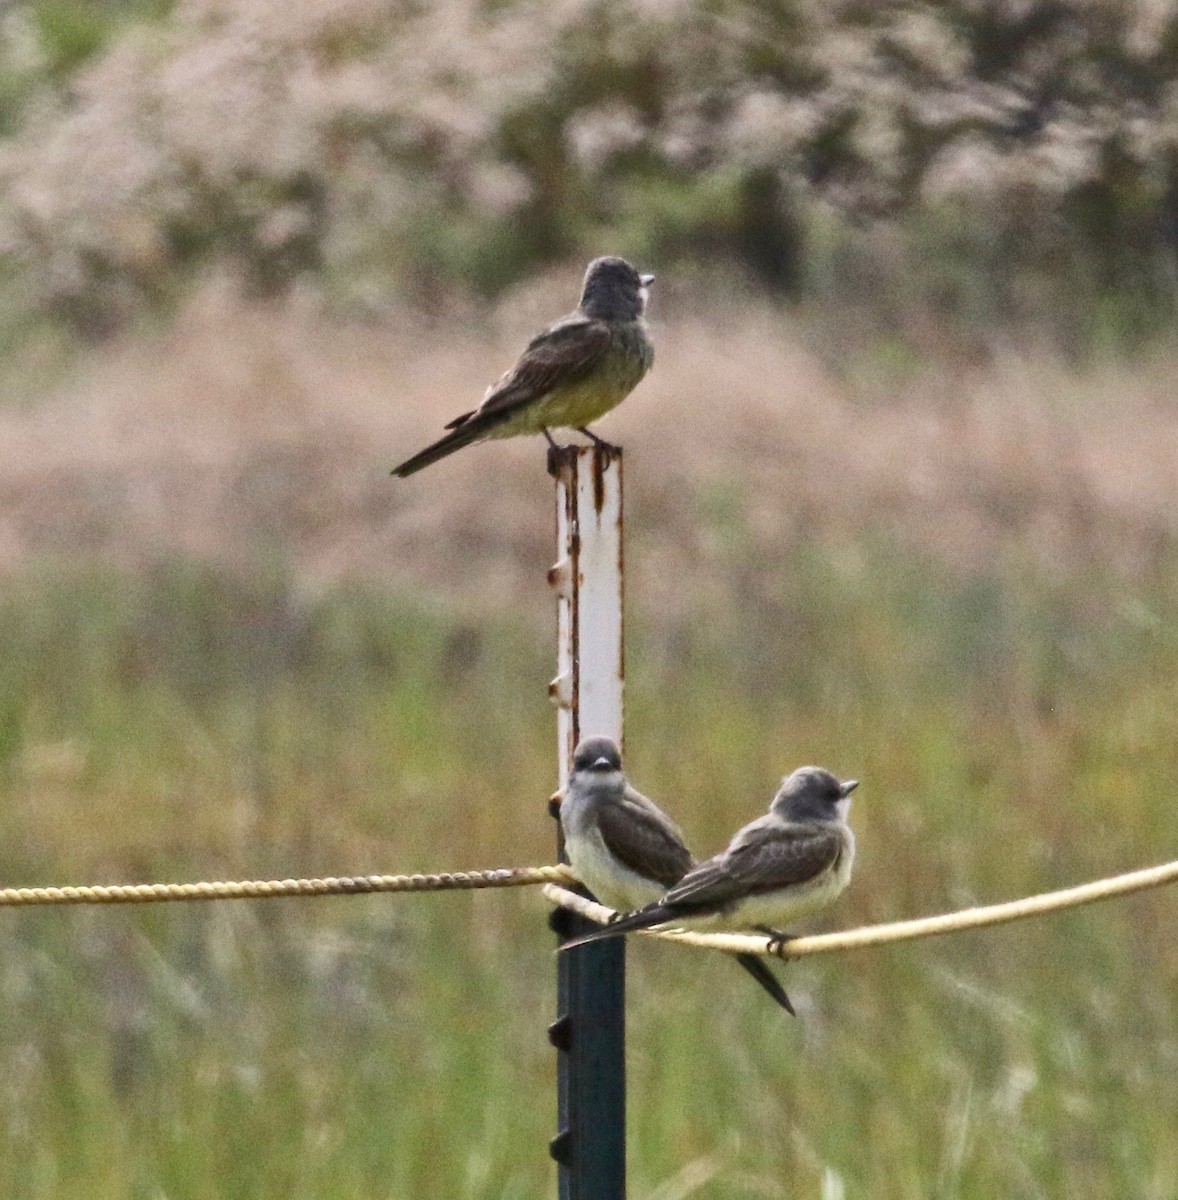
[
  {"x": 646, "y": 280},
  {"x": 847, "y": 788},
  {"x": 602, "y": 763}
]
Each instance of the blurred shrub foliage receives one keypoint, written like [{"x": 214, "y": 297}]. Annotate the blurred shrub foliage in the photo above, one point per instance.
[{"x": 1000, "y": 158}]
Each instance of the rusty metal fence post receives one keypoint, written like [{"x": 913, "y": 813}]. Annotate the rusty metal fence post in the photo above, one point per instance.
[{"x": 590, "y": 1029}]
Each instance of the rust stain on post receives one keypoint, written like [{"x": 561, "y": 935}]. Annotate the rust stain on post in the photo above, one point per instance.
[
  {"x": 621, "y": 579},
  {"x": 603, "y": 458},
  {"x": 600, "y": 462}
]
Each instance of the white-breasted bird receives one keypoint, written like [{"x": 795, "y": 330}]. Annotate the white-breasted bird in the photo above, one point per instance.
[
  {"x": 623, "y": 847},
  {"x": 787, "y": 864}
]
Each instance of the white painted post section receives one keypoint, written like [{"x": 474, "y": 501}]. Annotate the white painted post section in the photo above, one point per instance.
[
  {"x": 588, "y": 579},
  {"x": 589, "y": 1032}
]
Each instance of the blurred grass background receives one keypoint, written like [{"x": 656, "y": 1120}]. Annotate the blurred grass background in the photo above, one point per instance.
[
  {"x": 902, "y": 499},
  {"x": 396, "y": 1047}
]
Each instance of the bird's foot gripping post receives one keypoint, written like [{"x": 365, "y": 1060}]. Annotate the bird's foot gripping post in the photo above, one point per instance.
[{"x": 589, "y": 1031}]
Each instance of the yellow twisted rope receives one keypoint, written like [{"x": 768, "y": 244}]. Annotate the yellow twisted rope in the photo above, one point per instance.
[
  {"x": 550, "y": 876},
  {"x": 264, "y": 889},
  {"x": 898, "y": 931}
]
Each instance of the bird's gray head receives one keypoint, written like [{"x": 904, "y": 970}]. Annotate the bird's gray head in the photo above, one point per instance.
[
  {"x": 613, "y": 290},
  {"x": 813, "y": 794},
  {"x": 597, "y": 758}
]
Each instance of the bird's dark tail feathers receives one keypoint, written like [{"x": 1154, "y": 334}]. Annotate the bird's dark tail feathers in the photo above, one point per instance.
[
  {"x": 455, "y": 440},
  {"x": 658, "y": 914},
  {"x": 760, "y": 972},
  {"x": 642, "y": 918}
]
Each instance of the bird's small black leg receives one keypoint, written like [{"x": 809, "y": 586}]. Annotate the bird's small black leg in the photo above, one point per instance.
[
  {"x": 553, "y": 455},
  {"x": 597, "y": 441}
]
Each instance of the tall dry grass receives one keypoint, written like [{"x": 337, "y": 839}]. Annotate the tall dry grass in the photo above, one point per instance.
[{"x": 246, "y": 431}]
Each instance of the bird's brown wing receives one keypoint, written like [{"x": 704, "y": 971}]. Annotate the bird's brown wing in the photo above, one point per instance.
[
  {"x": 642, "y": 841},
  {"x": 561, "y": 355},
  {"x": 769, "y": 857}
]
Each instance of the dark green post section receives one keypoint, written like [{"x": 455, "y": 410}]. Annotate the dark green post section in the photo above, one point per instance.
[{"x": 590, "y": 1037}]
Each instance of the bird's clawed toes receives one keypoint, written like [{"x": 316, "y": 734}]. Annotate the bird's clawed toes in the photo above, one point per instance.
[
  {"x": 598, "y": 441},
  {"x": 777, "y": 939}
]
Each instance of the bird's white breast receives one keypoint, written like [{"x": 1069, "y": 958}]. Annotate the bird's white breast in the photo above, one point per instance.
[{"x": 611, "y": 881}]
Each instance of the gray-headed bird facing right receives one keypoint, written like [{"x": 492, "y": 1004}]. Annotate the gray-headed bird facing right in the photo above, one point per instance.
[
  {"x": 623, "y": 847},
  {"x": 572, "y": 373},
  {"x": 791, "y": 862}
]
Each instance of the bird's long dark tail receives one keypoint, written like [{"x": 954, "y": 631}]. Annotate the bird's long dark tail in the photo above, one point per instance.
[
  {"x": 765, "y": 977},
  {"x": 642, "y": 918},
  {"x": 455, "y": 440},
  {"x": 657, "y": 914}
]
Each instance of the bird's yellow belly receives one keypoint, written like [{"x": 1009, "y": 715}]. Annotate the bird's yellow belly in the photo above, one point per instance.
[
  {"x": 567, "y": 408},
  {"x": 580, "y": 403}
]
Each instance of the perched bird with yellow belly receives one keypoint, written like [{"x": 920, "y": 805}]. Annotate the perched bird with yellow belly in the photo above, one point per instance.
[{"x": 569, "y": 375}]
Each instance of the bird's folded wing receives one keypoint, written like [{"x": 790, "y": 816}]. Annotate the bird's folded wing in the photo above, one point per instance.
[
  {"x": 645, "y": 842},
  {"x": 773, "y": 857},
  {"x": 561, "y": 355}
]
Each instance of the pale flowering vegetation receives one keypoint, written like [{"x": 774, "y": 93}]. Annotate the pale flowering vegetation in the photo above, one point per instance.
[{"x": 368, "y": 149}]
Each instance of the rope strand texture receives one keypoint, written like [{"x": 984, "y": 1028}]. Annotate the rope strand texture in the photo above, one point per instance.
[
  {"x": 899, "y": 931},
  {"x": 266, "y": 889}
]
